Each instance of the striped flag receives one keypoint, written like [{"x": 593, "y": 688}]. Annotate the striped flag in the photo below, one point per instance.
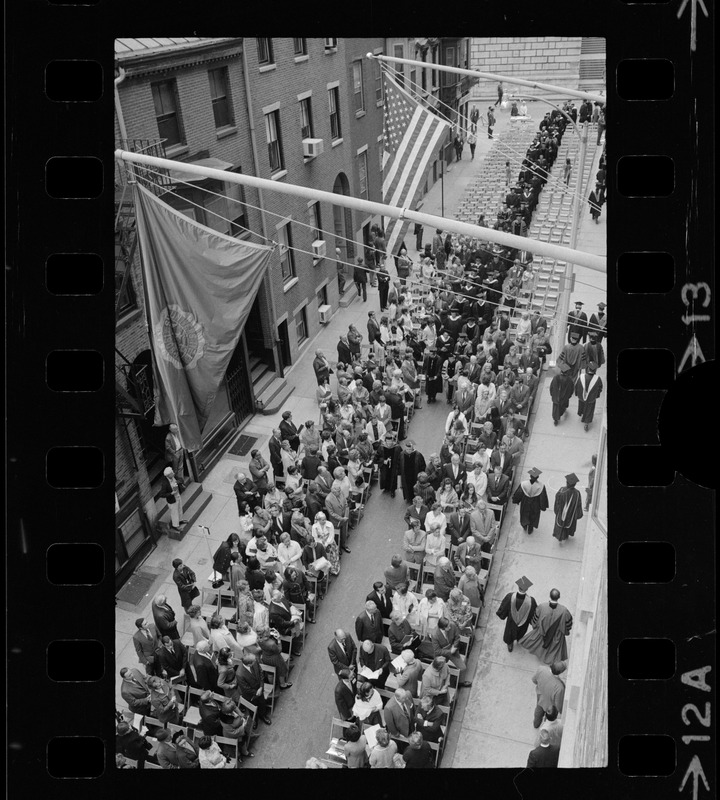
[{"x": 411, "y": 136}]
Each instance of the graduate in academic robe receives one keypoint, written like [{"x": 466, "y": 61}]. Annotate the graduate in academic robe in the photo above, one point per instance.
[
  {"x": 568, "y": 509},
  {"x": 412, "y": 462},
  {"x": 517, "y": 609},
  {"x": 552, "y": 624},
  {"x": 388, "y": 457},
  {"x": 594, "y": 350},
  {"x": 432, "y": 367},
  {"x": 573, "y": 355},
  {"x": 532, "y": 497},
  {"x": 561, "y": 390},
  {"x": 588, "y": 388},
  {"x": 598, "y": 322},
  {"x": 577, "y": 322}
]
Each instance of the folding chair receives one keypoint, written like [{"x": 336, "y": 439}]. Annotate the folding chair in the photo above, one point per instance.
[
  {"x": 269, "y": 685},
  {"x": 336, "y": 748},
  {"x": 152, "y": 723},
  {"x": 413, "y": 573},
  {"x": 208, "y": 602},
  {"x": 230, "y": 749},
  {"x": 302, "y": 608},
  {"x": 173, "y": 728},
  {"x": 227, "y": 607}
]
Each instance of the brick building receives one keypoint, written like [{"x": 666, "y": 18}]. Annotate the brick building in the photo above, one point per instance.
[{"x": 303, "y": 111}]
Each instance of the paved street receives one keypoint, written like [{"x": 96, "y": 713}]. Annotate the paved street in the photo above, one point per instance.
[{"x": 493, "y": 722}]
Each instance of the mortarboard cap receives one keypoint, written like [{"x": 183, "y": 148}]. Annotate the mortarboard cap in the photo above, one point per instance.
[
  {"x": 602, "y": 305},
  {"x": 524, "y": 583},
  {"x": 579, "y": 303},
  {"x": 572, "y": 478},
  {"x": 535, "y": 472}
]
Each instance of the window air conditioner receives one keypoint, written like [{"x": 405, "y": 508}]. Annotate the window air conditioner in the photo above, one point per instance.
[
  {"x": 312, "y": 147},
  {"x": 324, "y": 312},
  {"x": 318, "y": 247}
]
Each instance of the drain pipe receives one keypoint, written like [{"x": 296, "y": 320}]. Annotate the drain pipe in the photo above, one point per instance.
[
  {"x": 263, "y": 220},
  {"x": 118, "y": 107}
]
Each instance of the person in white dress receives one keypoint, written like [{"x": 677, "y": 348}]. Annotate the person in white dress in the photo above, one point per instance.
[
  {"x": 323, "y": 531},
  {"x": 430, "y": 609},
  {"x": 436, "y": 518}
]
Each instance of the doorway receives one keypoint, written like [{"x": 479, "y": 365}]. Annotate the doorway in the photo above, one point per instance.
[{"x": 284, "y": 344}]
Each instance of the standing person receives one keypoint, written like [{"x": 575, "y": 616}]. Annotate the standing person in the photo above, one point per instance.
[
  {"x": 458, "y": 145},
  {"x": 532, "y": 497},
  {"x": 561, "y": 390},
  {"x": 360, "y": 278},
  {"x": 500, "y": 92},
  {"x": 591, "y": 484},
  {"x": 589, "y": 387},
  {"x": 437, "y": 242},
  {"x": 517, "y": 609},
  {"x": 321, "y": 367},
  {"x": 342, "y": 651},
  {"x": 508, "y": 173},
  {"x": 340, "y": 271},
  {"x": 598, "y": 322},
  {"x": 550, "y": 690},
  {"x": 594, "y": 203},
  {"x": 412, "y": 462},
  {"x": 170, "y": 490},
  {"x": 383, "y": 278},
  {"x": 388, "y": 456},
  {"x": 186, "y": 581},
  {"x": 472, "y": 141},
  {"x": 380, "y": 251},
  {"x": 567, "y": 508},
  {"x": 594, "y": 351},
  {"x": 577, "y": 322},
  {"x": 432, "y": 367},
  {"x": 418, "y": 231},
  {"x": 164, "y": 617},
  {"x": 403, "y": 264},
  {"x": 339, "y": 513},
  {"x": 551, "y": 625},
  {"x": 545, "y": 754},
  {"x": 174, "y": 452},
  {"x": 490, "y": 122},
  {"x": 567, "y": 171},
  {"x": 147, "y": 642},
  {"x": 474, "y": 116}
]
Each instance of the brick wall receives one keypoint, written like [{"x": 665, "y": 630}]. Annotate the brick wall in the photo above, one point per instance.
[{"x": 548, "y": 59}]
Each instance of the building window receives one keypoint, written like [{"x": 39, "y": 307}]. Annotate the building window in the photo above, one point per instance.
[
  {"x": 300, "y": 47},
  {"x": 447, "y": 77},
  {"x": 322, "y": 296},
  {"x": 287, "y": 256},
  {"x": 265, "y": 51},
  {"x": 399, "y": 52},
  {"x": 220, "y": 96},
  {"x": 272, "y": 133},
  {"x": 306, "y": 126},
  {"x": 315, "y": 221},
  {"x": 330, "y": 44},
  {"x": 125, "y": 298},
  {"x": 378, "y": 82},
  {"x": 334, "y": 101},
  {"x": 167, "y": 112},
  {"x": 301, "y": 326},
  {"x": 358, "y": 88},
  {"x": 362, "y": 168}
]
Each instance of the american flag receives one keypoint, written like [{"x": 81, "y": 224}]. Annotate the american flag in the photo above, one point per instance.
[{"x": 411, "y": 136}]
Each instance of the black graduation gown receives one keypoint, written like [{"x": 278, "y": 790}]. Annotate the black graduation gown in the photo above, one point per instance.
[
  {"x": 530, "y": 507},
  {"x": 433, "y": 375},
  {"x": 410, "y": 465},
  {"x": 512, "y": 632},
  {"x": 561, "y": 390},
  {"x": 388, "y": 472}
]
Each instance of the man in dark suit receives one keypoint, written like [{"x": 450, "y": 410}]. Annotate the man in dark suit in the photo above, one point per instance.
[
  {"x": 399, "y": 713},
  {"x": 186, "y": 580},
  {"x": 289, "y": 430},
  {"x": 343, "y": 652},
  {"x": 131, "y": 744},
  {"x": 455, "y": 470},
  {"x": 259, "y": 469},
  {"x": 202, "y": 672},
  {"x": 368, "y": 625},
  {"x": 488, "y": 436},
  {"x": 210, "y": 712},
  {"x": 458, "y": 526},
  {"x": 343, "y": 350},
  {"x": 313, "y": 501},
  {"x": 345, "y": 691},
  {"x": 382, "y": 598},
  {"x": 134, "y": 690},
  {"x": 146, "y": 641},
  {"x": 498, "y": 486},
  {"x": 545, "y": 754},
  {"x": 375, "y": 657},
  {"x": 324, "y": 483},
  {"x": 309, "y": 465},
  {"x": 321, "y": 367},
  {"x": 250, "y": 686},
  {"x": 275, "y": 446},
  {"x": 280, "y": 618},
  {"x": 172, "y": 657},
  {"x": 501, "y": 458},
  {"x": 577, "y": 322},
  {"x": 418, "y": 510}
]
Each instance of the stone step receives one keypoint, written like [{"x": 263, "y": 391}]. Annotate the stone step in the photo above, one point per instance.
[
  {"x": 274, "y": 396},
  {"x": 257, "y": 370},
  {"x": 349, "y": 296},
  {"x": 262, "y": 383},
  {"x": 191, "y": 512}
]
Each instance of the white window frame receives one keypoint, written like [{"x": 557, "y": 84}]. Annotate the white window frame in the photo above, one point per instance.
[{"x": 358, "y": 93}]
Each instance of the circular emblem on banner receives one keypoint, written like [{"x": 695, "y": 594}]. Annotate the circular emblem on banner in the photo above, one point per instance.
[{"x": 179, "y": 337}]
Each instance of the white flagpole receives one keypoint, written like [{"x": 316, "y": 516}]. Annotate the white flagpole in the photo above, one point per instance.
[
  {"x": 546, "y": 87},
  {"x": 589, "y": 260}
]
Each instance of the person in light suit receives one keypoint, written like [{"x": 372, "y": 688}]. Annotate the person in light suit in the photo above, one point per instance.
[
  {"x": 368, "y": 625},
  {"x": 342, "y": 651},
  {"x": 399, "y": 713}
]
